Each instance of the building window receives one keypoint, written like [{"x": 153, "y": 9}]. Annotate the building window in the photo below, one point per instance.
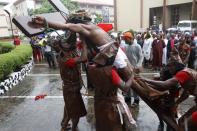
[
  {"x": 175, "y": 15},
  {"x": 91, "y": 6},
  {"x": 98, "y": 7}
]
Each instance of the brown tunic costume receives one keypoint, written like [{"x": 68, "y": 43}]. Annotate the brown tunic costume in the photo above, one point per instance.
[
  {"x": 107, "y": 112},
  {"x": 74, "y": 105}
]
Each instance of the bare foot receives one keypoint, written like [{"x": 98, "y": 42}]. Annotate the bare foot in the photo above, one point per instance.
[{"x": 67, "y": 128}]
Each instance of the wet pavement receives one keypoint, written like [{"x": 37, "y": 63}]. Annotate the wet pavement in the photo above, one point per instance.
[{"x": 20, "y": 112}]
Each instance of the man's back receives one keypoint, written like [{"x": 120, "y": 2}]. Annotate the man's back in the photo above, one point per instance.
[{"x": 95, "y": 34}]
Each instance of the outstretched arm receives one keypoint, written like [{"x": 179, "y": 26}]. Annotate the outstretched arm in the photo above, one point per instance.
[
  {"x": 163, "y": 85},
  {"x": 78, "y": 28}
]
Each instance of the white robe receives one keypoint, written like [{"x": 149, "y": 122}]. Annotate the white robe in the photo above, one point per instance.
[
  {"x": 146, "y": 49},
  {"x": 164, "y": 57}
]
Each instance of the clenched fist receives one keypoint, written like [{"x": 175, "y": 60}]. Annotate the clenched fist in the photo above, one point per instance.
[{"x": 39, "y": 20}]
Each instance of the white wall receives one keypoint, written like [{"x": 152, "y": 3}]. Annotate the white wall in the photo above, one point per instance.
[
  {"x": 128, "y": 14},
  {"x": 30, "y": 4},
  {"x": 159, "y": 3},
  {"x": 3, "y": 24},
  {"x": 4, "y": 32}
]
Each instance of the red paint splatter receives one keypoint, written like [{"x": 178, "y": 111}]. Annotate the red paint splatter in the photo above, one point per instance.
[{"x": 38, "y": 97}]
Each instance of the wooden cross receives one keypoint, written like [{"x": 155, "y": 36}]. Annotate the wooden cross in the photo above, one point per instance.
[{"x": 24, "y": 22}]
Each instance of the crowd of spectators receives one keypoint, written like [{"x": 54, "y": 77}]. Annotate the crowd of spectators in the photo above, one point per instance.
[{"x": 156, "y": 47}]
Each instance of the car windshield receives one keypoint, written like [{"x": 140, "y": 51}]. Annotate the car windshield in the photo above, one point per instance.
[
  {"x": 184, "y": 25},
  {"x": 194, "y": 25}
]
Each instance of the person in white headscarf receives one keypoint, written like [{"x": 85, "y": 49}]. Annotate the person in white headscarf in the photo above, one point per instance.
[{"x": 146, "y": 49}]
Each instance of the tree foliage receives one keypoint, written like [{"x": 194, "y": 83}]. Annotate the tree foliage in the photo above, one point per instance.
[
  {"x": 48, "y": 8},
  {"x": 98, "y": 18}
]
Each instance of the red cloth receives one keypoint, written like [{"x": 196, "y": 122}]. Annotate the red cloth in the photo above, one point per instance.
[
  {"x": 172, "y": 44},
  {"x": 71, "y": 63},
  {"x": 182, "y": 77},
  {"x": 105, "y": 26},
  {"x": 115, "y": 77},
  {"x": 157, "y": 47},
  {"x": 122, "y": 49},
  {"x": 176, "y": 94},
  {"x": 40, "y": 97},
  {"x": 17, "y": 41},
  {"x": 37, "y": 54},
  {"x": 194, "y": 117},
  {"x": 79, "y": 45}
]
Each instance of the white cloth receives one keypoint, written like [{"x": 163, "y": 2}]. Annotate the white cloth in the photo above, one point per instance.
[
  {"x": 164, "y": 57},
  {"x": 120, "y": 60},
  {"x": 124, "y": 109},
  {"x": 146, "y": 49},
  {"x": 123, "y": 45},
  {"x": 195, "y": 40},
  {"x": 47, "y": 48},
  {"x": 105, "y": 45}
]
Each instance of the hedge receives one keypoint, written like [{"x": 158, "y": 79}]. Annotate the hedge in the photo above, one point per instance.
[
  {"x": 13, "y": 60},
  {"x": 6, "y": 47}
]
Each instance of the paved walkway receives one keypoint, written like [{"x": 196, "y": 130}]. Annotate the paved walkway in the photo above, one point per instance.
[{"x": 20, "y": 112}]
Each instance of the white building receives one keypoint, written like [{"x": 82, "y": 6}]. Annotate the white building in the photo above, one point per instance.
[
  {"x": 105, "y": 8},
  {"x": 23, "y": 7},
  {"x": 4, "y": 21},
  {"x": 136, "y": 14}
]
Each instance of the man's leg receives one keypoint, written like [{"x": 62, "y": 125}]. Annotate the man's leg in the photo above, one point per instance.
[
  {"x": 39, "y": 55},
  {"x": 75, "y": 122},
  {"x": 64, "y": 124},
  {"x": 34, "y": 54},
  {"x": 127, "y": 97},
  {"x": 53, "y": 59},
  {"x": 184, "y": 118},
  {"x": 47, "y": 56},
  {"x": 136, "y": 99}
]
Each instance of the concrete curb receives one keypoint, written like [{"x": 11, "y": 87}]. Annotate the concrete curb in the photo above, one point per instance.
[{"x": 15, "y": 77}]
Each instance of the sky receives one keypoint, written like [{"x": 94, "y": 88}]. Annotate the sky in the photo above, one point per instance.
[{"x": 10, "y": 1}]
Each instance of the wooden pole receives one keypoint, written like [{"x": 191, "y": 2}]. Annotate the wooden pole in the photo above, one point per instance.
[
  {"x": 164, "y": 15},
  {"x": 10, "y": 22},
  {"x": 193, "y": 10},
  {"x": 115, "y": 15},
  {"x": 141, "y": 13}
]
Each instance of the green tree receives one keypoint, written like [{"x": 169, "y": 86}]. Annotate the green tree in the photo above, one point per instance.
[
  {"x": 48, "y": 8},
  {"x": 98, "y": 18}
]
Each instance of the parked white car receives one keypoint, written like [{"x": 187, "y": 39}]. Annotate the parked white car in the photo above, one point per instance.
[{"x": 187, "y": 25}]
